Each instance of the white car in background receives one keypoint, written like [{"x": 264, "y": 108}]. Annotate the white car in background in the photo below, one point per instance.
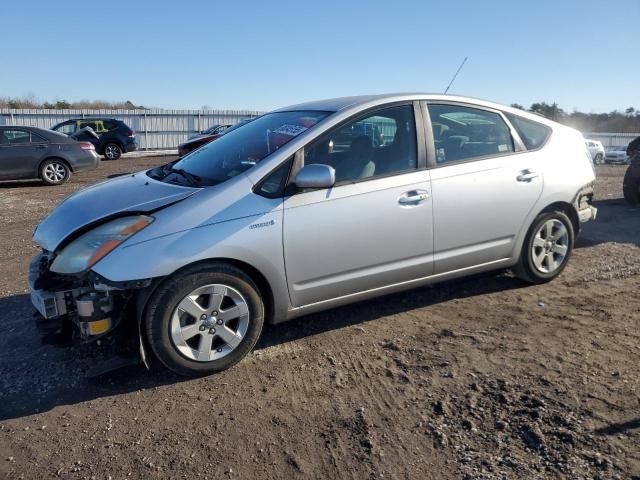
[
  {"x": 596, "y": 150},
  {"x": 617, "y": 155}
]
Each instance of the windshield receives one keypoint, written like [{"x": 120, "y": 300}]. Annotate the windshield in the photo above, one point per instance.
[
  {"x": 241, "y": 148},
  {"x": 210, "y": 129}
]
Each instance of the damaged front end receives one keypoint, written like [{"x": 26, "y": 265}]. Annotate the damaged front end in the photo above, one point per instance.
[
  {"x": 75, "y": 305},
  {"x": 79, "y": 308}
]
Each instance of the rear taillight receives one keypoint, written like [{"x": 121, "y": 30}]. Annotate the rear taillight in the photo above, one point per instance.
[
  {"x": 87, "y": 146},
  {"x": 131, "y": 133}
]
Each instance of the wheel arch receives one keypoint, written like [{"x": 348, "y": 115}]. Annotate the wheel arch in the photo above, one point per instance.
[
  {"x": 256, "y": 275},
  {"x": 568, "y": 209},
  {"x": 53, "y": 157},
  {"x": 558, "y": 205}
]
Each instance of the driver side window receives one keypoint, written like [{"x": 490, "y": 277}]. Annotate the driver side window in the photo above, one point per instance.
[{"x": 378, "y": 144}]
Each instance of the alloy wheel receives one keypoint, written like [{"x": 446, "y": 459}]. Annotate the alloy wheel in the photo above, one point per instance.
[
  {"x": 550, "y": 246},
  {"x": 55, "y": 172},
  {"x": 111, "y": 152},
  {"x": 209, "y": 323}
]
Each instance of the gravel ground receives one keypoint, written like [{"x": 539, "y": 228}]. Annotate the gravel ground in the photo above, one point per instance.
[{"x": 481, "y": 378}]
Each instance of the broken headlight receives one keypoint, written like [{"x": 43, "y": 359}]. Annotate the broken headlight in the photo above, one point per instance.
[{"x": 86, "y": 250}]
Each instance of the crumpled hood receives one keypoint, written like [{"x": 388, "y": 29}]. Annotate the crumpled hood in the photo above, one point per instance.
[{"x": 129, "y": 193}]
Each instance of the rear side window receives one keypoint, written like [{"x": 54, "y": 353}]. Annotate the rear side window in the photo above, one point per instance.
[
  {"x": 35, "y": 138},
  {"x": 109, "y": 125},
  {"x": 464, "y": 133},
  {"x": 533, "y": 134},
  {"x": 95, "y": 125}
]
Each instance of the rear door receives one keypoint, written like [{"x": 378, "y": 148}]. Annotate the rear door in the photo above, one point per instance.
[
  {"x": 484, "y": 184},
  {"x": 373, "y": 228}
]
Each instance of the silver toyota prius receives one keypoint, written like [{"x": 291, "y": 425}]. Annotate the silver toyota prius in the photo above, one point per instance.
[{"x": 306, "y": 208}]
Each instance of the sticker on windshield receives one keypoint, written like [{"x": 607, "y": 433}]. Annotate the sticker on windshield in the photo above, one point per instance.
[{"x": 291, "y": 130}]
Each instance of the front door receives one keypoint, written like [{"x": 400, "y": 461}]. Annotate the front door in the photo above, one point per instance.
[
  {"x": 374, "y": 227},
  {"x": 18, "y": 155}
]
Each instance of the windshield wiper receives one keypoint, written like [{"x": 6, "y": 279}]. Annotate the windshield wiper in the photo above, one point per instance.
[{"x": 193, "y": 180}]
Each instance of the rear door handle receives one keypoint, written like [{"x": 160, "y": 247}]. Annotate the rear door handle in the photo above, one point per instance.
[
  {"x": 527, "y": 175},
  {"x": 413, "y": 197}
]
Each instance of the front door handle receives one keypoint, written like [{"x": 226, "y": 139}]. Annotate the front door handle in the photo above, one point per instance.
[
  {"x": 413, "y": 197},
  {"x": 527, "y": 175}
]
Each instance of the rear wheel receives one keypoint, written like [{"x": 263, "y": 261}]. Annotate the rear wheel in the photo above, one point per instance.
[
  {"x": 112, "y": 151},
  {"x": 631, "y": 188},
  {"x": 547, "y": 248},
  {"x": 204, "y": 319},
  {"x": 54, "y": 172}
]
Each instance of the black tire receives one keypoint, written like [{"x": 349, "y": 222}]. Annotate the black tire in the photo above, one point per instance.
[
  {"x": 112, "y": 151},
  {"x": 526, "y": 268},
  {"x": 54, "y": 171},
  {"x": 631, "y": 188},
  {"x": 165, "y": 300},
  {"x": 599, "y": 160}
]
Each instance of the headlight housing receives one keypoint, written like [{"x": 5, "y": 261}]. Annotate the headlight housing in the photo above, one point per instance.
[{"x": 86, "y": 250}]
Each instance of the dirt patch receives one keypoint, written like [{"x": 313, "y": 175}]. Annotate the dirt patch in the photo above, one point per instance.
[{"x": 479, "y": 378}]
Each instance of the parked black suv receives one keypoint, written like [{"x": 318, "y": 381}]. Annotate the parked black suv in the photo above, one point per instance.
[{"x": 114, "y": 137}]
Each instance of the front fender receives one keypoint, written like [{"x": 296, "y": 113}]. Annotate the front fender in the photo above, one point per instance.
[{"x": 255, "y": 240}]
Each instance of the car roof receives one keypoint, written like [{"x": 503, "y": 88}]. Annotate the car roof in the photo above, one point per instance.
[
  {"x": 50, "y": 135},
  {"x": 360, "y": 102},
  {"x": 91, "y": 118}
]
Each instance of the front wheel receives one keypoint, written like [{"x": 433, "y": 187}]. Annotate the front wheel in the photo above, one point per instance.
[
  {"x": 547, "y": 248},
  {"x": 599, "y": 160},
  {"x": 631, "y": 188},
  {"x": 112, "y": 151},
  {"x": 204, "y": 319}
]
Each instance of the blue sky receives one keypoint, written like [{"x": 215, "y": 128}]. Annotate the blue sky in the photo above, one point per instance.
[{"x": 260, "y": 55}]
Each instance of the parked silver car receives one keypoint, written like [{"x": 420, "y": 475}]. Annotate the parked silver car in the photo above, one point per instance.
[
  {"x": 617, "y": 155},
  {"x": 279, "y": 219}
]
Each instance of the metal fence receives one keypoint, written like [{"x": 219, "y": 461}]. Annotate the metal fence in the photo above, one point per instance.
[
  {"x": 166, "y": 129},
  {"x": 155, "y": 129},
  {"x": 609, "y": 139}
]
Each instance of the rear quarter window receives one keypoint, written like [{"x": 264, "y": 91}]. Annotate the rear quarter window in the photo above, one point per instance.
[{"x": 533, "y": 134}]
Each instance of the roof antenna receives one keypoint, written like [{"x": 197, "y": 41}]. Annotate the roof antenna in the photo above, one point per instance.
[{"x": 456, "y": 74}]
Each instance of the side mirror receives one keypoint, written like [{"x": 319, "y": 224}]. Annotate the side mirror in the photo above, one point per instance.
[{"x": 316, "y": 175}]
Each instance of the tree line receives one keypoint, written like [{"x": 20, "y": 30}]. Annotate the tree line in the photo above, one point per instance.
[
  {"x": 613, "y": 122},
  {"x": 9, "y": 102}
]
